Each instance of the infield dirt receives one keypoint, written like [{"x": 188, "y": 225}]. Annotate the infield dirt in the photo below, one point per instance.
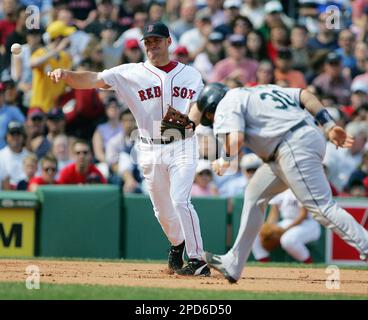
[{"x": 259, "y": 279}]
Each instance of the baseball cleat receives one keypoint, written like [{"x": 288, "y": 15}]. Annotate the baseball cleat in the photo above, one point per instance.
[
  {"x": 176, "y": 257},
  {"x": 195, "y": 267},
  {"x": 214, "y": 261}
]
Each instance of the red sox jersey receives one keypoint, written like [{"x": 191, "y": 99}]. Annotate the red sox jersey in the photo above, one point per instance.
[{"x": 148, "y": 91}]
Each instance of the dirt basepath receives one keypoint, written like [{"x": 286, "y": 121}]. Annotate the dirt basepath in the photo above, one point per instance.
[{"x": 155, "y": 275}]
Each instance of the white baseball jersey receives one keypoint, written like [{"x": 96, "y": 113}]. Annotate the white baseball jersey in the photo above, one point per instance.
[
  {"x": 148, "y": 91},
  {"x": 264, "y": 124},
  {"x": 289, "y": 206}
]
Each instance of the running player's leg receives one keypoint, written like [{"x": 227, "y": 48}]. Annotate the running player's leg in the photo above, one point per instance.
[
  {"x": 301, "y": 164},
  {"x": 262, "y": 187}
]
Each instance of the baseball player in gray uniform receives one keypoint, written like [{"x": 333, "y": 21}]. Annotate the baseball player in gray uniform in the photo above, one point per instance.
[
  {"x": 168, "y": 165},
  {"x": 274, "y": 123}
]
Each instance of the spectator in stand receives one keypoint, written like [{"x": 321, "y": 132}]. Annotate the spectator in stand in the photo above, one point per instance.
[
  {"x": 61, "y": 151},
  {"x": 186, "y": 20},
  {"x": 341, "y": 163},
  {"x": 18, "y": 35},
  {"x": 299, "y": 48},
  {"x": 48, "y": 173},
  {"x": 78, "y": 39},
  {"x": 140, "y": 19},
  {"x": 84, "y": 12},
  {"x": 279, "y": 39},
  {"x": 358, "y": 176},
  {"x": 241, "y": 25},
  {"x": 11, "y": 156},
  {"x": 125, "y": 12},
  {"x": 195, "y": 39},
  {"x": 265, "y": 74},
  {"x": 9, "y": 21},
  {"x": 236, "y": 65},
  {"x": 35, "y": 125},
  {"x": 359, "y": 97},
  {"x": 364, "y": 76},
  {"x": 284, "y": 72},
  {"x": 30, "y": 166},
  {"x": 55, "y": 123},
  {"x": 7, "y": 114},
  {"x": 181, "y": 54},
  {"x": 156, "y": 10},
  {"x": 83, "y": 109},
  {"x": 274, "y": 17},
  {"x": 104, "y": 15},
  {"x": 215, "y": 11},
  {"x": 325, "y": 40},
  {"x": 361, "y": 58},
  {"x": 213, "y": 52},
  {"x": 299, "y": 228},
  {"x": 235, "y": 184},
  {"x": 332, "y": 81},
  {"x": 231, "y": 11},
  {"x": 110, "y": 53},
  {"x": 203, "y": 181},
  {"x": 94, "y": 53},
  {"x": 256, "y": 46},
  {"x": 21, "y": 70},
  {"x": 132, "y": 52},
  {"x": 254, "y": 11},
  {"x": 346, "y": 41},
  {"x": 44, "y": 92},
  {"x": 104, "y": 132},
  {"x": 119, "y": 150},
  {"x": 81, "y": 171}
]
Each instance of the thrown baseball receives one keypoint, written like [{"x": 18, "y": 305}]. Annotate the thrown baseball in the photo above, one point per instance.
[{"x": 16, "y": 48}]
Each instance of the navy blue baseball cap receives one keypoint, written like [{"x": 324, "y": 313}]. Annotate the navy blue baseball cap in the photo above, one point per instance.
[{"x": 155, "y": 29}]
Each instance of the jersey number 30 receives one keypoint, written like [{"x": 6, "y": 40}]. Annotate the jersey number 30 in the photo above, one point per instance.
[{"x": 283, "y": 99}]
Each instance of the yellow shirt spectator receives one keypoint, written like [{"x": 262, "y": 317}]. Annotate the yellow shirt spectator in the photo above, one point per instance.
[{"x": 44, "y": 91}]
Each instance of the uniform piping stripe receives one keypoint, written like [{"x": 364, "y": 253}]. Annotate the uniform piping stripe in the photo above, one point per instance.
[
  {"x": 315, "y": 201},
  {"x": 191, "y": 218},
  {"x": 162, "y": 90},
  {"x": 172, "y": 80}
]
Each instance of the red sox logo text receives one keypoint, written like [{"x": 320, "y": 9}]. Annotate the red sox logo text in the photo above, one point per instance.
[{"x": 155, "y": 92}]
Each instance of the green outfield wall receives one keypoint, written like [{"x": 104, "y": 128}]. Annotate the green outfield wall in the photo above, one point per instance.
[{"x": 97, "y": 221}]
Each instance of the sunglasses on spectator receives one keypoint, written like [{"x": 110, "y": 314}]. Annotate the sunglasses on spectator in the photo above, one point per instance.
[
  {"x": 49, "y": 169},
  {"x": 15, "y": 133},
  {"x": 37, "y": 118},
  {"x": 84, "y": 152}
]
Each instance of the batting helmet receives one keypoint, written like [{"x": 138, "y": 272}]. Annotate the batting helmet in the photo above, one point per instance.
[{"x": 209, "y": 98}]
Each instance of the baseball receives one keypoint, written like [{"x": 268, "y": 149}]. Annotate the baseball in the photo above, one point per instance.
[{"x": 16, "y": 48}]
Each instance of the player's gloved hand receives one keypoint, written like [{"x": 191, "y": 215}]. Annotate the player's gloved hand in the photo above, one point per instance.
[
  {"x": 339, "y": 137},
  {"x": 219, "y": 166},
  {"x": 176, "y": 125}
]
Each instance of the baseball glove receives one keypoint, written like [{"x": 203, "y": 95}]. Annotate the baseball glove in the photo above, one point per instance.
[
  {"x": 176, "y": 124},
  {"x": 270, "y": 235}
]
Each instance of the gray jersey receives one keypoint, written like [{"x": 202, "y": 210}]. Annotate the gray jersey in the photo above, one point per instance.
[{"x": 264, "y": 124}]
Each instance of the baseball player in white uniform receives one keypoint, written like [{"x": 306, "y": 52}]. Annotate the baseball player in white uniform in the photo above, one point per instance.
[
  {"x": 274, "y": 123},
  {"x": 168, "y": 165},
  {"x": 300, "y": 228}
]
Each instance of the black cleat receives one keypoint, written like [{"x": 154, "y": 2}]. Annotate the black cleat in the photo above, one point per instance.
[
  {"x": 195, "y": 267},
  {"x": 215, "y": 262},
  {"x": 176, "y": 257}
]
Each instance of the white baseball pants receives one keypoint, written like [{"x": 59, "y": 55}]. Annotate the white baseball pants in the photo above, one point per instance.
[
  {"x": 298, "y": 166},
  {"x": 293, "y": 241},
  {"x": 169, "y": 172}
]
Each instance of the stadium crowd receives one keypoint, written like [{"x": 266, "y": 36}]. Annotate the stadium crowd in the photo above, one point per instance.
[{"x": 51, "y": 134}]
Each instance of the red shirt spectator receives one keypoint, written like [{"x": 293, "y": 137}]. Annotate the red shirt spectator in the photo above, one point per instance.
[{"x": 70, "y": 175}]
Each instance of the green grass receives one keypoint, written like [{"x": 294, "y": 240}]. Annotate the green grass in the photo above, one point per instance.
[{"x": 18, "y": 291}]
